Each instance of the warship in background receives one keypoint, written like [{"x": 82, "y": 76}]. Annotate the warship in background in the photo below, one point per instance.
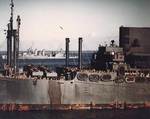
[
  {"x": 50, "y": 61},
  {"x": 110, "y": 84},
  {"x": 41, "y": 54}
]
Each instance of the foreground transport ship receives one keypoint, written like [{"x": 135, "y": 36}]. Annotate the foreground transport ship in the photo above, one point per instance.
[
  {"x": 115, "y": 86},
  {"x": 86, "y": 91}
]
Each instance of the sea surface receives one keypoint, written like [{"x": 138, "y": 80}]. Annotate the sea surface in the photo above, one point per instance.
[
  {"x": 53, "y": 63},
  {"x": 82, "y": 114}
]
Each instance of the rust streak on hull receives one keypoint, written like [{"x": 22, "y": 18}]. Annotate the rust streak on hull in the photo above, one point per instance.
[{"x": 44, "y": 107}]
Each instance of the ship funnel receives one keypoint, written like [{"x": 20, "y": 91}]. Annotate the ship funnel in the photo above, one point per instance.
[
  {"x": 67, "y": 52},
  {"x": 80, "y": 53}
]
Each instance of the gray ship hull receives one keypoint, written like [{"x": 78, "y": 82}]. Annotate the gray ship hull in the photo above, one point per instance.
[{"x": 41, "y": 94}]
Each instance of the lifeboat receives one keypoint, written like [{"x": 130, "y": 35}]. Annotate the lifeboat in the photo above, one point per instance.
[
  {"x": 82, "y": 76},
  {"x": 130, "y": 79},
  {"x": 106, "y": 77},
  {"x": 94, "y": 77}
]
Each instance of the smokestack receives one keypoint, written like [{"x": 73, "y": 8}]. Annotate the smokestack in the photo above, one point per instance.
[
  {"x": 80, "y": 53},
  {"x": 67, "y": 52}
]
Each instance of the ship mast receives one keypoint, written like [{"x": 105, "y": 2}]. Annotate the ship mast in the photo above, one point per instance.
[
  {"x": 11, "y": 18},
  {"x": 13, "y": 41},
  {"x": 10, "y": 36},
  {"x": 17, "y": 41},
  {"x": 11, "y": 30}
]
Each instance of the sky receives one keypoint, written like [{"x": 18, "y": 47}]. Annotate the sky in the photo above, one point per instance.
[{"x": 46, "y": 23}]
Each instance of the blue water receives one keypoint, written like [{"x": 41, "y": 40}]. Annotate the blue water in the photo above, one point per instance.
[
  {"x": 53, "y": 63},
  {"x": 101, "y": 114}
]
